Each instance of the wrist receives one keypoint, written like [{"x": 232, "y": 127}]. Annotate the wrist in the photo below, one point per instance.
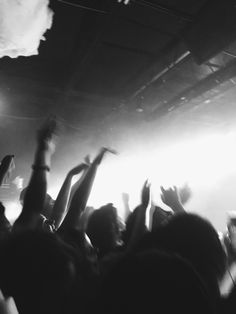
[
  {"x": 42, "y": 158},
  {"x": 177, "y": 207},
  {"x": 69, "y": 176},
  {"x": 40, "y": 167}
]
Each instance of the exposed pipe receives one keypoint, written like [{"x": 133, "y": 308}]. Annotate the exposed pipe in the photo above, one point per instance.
[
  {"x": 226, "y": 73},
  {"x": 156, "y": 7},
  {"x": 83, "y": 7},
  {"x": 165, "y": 10},
  {"x": 160, "y": 74}
]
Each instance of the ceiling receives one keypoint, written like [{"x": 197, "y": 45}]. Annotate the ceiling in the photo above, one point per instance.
[
  {"x": 105, "y": 54},
  {"x": 106, "y": 66}
]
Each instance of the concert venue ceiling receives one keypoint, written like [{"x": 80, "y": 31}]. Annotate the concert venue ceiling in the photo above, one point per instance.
[{"x": 109, "y": 71}]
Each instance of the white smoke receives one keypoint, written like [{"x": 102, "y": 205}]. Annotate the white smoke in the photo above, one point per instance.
[{"x": 22, "y": 26}]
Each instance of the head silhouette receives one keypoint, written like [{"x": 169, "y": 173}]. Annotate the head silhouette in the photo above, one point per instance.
[
  {"x": 153, "y": 282},
  {"x": 103, "y": 229}
]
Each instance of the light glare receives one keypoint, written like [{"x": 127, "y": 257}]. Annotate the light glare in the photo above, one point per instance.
[{"x": 203, "y": 161}]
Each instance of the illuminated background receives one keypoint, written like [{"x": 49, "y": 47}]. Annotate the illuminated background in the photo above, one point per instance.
[
  {"x": 123, "y": 77},
  {"x": 186, "y": 146}
]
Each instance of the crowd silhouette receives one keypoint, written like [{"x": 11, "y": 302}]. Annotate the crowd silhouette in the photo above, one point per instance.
[{"x": 64, "y": 257}]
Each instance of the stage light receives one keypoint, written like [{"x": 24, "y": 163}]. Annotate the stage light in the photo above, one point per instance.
[{"x": 201, "y": 162}]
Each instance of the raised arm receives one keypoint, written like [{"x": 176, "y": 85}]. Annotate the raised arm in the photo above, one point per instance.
[
  {"x": 61, "y": 203},
  {"x": 6, "y": 166},
  {"x": 81, "y": 195},
  {"x": 140, "y": 220},
  {"x": 78, "y": 182},
  {"x": 36, "y": 191},
  {"x": 127, "y": 211}
]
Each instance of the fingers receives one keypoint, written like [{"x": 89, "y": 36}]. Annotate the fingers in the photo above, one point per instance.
[
  {"x": 145, "y": 197},
  {"x": 112, "y": 151},
  {"x": 101, "y": 154},
  {"x": 87, "y": 160},
  {"x": 49, "y": 129},
  {"x": 162, "y": 189},
  {"x": 146, "y": 186}
]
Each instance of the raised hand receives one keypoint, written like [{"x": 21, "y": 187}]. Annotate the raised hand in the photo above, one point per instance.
[
  {"x": 47, "y": 133},
  {"x": 139, "y": 226},
  {"x": 101, "y": 154},
  {"x": 37, "y": 188},
  {"x": 171, "y": 198},
  {"x": 112, "y": 151},
  {"x": 125, "y": 198},
  {"x": 145, "y": 195},
  {"x": 61, "y": 204}
]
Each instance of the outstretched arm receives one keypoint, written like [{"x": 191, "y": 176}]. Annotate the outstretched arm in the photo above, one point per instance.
[
  {"x": 61, "y": 203},
  {"x": 36, "y": 191},
  {"x": 81, "y": 195},
  {"x": 78, "y": 182}
]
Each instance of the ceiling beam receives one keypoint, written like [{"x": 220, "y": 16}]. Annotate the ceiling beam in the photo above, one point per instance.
[{"x": 213, "y": 80}]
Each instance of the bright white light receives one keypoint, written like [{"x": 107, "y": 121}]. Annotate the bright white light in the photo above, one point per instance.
[
  {"x": 203, "y": 161},
  {"x": 22, "y": 25},
  {"x": 13, "y": 210}
]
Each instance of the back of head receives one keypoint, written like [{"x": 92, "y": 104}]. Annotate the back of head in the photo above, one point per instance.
[
  {"x": 154, "y": 282},
  {"x": 38, "y": 271},
  {"x": 196, "y": 240},
  {"x": 48, "y": 205},
  {"x": 103, "y": 229}
]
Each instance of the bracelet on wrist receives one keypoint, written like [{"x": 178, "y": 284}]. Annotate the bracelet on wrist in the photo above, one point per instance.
[{"x": 41, "y": 167}]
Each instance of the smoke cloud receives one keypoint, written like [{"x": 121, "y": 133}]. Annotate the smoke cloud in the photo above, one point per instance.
[{"x": 22, "y": 26}]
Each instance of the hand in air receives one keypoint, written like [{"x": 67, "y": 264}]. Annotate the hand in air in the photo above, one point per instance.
[
  {"x": 125, "y": 198},
  {"x": 47, "y": 135},
  {"x": 170, "y": 197},
  {"x": 145, "y": 195},
  {"x": 102, "y": 152}
]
